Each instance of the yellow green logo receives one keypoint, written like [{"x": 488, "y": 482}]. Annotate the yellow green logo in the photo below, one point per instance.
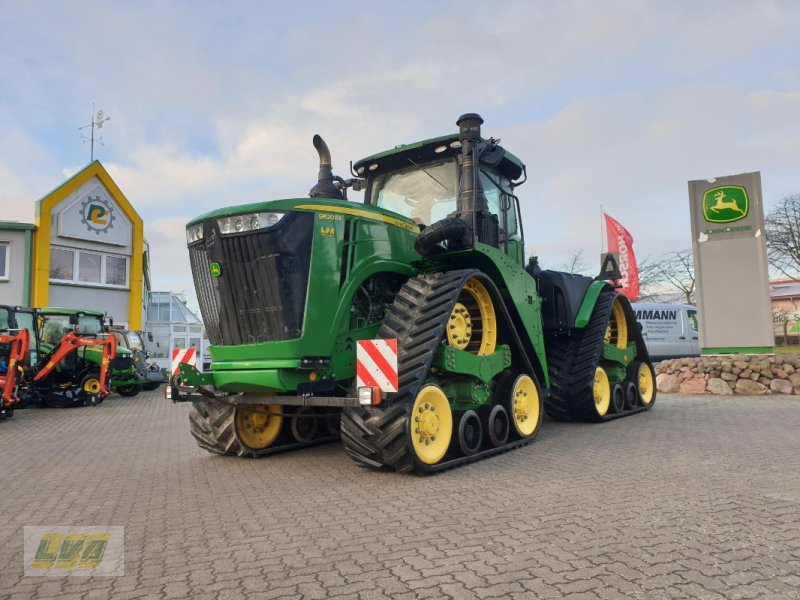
[
  {"x": 215, "y": 269},
  {"x": 725, "y": 204}
]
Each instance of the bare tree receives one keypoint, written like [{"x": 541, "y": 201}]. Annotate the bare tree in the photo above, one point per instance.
[
  {"x": 783, "y": 236},
  {"x": 575, "y": 265},
  {"x": 671, "y": 274}
]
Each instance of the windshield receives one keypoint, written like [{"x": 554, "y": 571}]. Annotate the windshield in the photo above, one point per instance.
[
  {"x": 425, "y": 193},
  {"x": 135, "y": 342},
  {"x": 53, "y": 327}
]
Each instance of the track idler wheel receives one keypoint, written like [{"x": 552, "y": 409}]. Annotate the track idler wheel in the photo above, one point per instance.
[
  {"x": 470, "y": 433},
  {"x": 305, "y": 425},
  {"x": 645, "y": 383},
  {"x": 618, "y": 398},
  {"x": 601, "y": 391},
  {"x": 258, "y": 427},
  {"x": 431, "y": 425},
  {"x": 524, "y": 406}
]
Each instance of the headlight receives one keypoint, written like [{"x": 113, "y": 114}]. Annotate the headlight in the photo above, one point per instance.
[
  {"x": 248, "y": 222},
  {"x": 194, "y": 233}
]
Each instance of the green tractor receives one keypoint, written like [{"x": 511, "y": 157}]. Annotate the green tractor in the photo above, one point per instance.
[
  {"x": 434, "y": 259},
  {"x": 84, "y": 364},
  {"x": 150, "y": 377}
]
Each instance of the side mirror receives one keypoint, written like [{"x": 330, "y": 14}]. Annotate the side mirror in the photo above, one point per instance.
[
  {"x": 149, "y": 336},
  {"x": 73, "y": 319}
]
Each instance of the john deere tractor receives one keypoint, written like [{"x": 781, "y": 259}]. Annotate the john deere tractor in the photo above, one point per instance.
[{"x": 432, "y": 259}]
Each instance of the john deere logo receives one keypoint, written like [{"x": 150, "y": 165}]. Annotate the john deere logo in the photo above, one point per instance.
[
  {"x": 725, "y": 204},
  {"x": 215, "y": 269}
]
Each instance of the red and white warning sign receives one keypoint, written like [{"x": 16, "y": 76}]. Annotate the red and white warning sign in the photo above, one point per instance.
[
  {"x": 183, "y": 355},
  {"x": 377, "y": 364}
]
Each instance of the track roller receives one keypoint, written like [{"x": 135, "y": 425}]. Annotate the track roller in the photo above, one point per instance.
[
  {"x": 496, "y": 424},
  {"x": 618, "y": 398},
  {"x": 470, "y": 433}
]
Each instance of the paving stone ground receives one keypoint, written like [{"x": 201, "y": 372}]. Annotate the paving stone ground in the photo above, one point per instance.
[{"x": 699, "y": 498}]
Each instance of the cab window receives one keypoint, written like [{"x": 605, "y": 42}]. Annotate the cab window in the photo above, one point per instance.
[{"x": 424, "y": 193}]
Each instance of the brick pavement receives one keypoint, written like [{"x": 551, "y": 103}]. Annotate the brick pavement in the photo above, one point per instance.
[{"x": 700, "y": 498}]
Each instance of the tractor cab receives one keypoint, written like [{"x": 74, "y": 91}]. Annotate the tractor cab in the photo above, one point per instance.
[{"x": 422, "y": 182}]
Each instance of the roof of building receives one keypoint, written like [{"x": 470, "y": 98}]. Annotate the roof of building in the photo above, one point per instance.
[
  {"x": 17, "y": 225},
  {"x": 784, "y": 289}
]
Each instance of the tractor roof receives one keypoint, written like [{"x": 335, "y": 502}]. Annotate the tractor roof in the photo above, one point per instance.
[
  {"x": 427, "y": 150},
  {"x": 57, "y": 310}
]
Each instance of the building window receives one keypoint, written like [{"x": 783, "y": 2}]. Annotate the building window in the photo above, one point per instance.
[
  {"x": 61, "y": 264},
  {"x": 4, "y": 262},
  {"x": 115, "y": 270},
  {"x": 82, "y": 266},
  {"x": 89, "y": 267}
]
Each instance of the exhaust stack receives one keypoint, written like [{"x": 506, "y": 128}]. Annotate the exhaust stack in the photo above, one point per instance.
[{"x": 325, "y": 187}]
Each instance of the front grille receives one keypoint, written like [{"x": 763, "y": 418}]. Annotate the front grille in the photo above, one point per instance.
[
  {"x": 121, "y": 362},
  {"x": 260, "y": 292}
]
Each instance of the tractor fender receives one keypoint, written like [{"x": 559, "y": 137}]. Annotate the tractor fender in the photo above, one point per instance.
[{"x": 429, "y": 238}]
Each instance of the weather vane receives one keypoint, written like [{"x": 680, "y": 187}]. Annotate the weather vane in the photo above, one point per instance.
[{"x": 97, "y": 121}]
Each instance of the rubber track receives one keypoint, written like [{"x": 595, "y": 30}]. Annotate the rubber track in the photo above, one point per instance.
[
  {"x": 377, "y": 437},
  {"x": 572, "y": 362},
  {"x": 212, "y": 425}
]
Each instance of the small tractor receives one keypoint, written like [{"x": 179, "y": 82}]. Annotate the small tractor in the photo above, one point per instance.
[
  {"x": 55, "y": 324},
  {"x": 432, "y": 261},
  {"x": 150, "y": 376}
]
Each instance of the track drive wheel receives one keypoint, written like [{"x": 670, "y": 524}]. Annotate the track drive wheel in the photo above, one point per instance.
[
  {"x": 472, "y": 325},
  {"x": 431, "y": 425},
  {"x": 258, "y": 427}
]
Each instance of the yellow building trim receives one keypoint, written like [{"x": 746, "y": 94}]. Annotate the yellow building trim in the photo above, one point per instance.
[{"x": 41, "y": 246}]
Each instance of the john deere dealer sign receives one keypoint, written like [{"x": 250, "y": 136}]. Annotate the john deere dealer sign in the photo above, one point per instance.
[{"x": 730, "y": 263}]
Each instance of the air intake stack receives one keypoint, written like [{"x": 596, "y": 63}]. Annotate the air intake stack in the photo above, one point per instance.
[{"x": 473, "y": 207}]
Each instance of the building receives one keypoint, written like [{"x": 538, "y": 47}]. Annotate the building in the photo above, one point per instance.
[
  {"x": 16, "y": 254},
  {"x": 88, "y": 249},
  {"x": 786, "y": 312},
  {"x": 173, "y": 325}
]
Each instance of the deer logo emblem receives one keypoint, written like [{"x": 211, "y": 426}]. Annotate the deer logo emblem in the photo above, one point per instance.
[{"x": 725, "y": 204}]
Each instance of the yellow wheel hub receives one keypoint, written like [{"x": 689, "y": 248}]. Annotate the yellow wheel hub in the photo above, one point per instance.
[
  {"x": 617, "y": 330},
  {"x": 258, "y": 428},
  {"x": 644, "y": 381},
  {"x": 92, "y": 386},
  {"x": 525, "y": 404},
  {"x": 431, "y": 425},
  {"x": 472, "y": 325},
  {"x": 601, "y": 390},
  {"x": 459, "y": 327}
]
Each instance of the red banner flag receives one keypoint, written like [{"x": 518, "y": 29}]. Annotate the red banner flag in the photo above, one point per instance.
[{"x": 620, "y": 241}]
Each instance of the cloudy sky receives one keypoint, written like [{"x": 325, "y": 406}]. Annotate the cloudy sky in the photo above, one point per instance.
[{"x": 612, "y": 103}]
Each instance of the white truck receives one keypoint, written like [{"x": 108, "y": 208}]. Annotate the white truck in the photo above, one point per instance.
[{"x": 669, "y": 330}]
